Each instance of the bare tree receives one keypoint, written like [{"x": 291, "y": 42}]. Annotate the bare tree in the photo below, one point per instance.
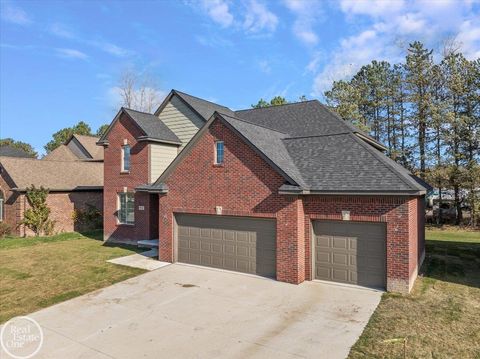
[{"x": 139, "y": 91}]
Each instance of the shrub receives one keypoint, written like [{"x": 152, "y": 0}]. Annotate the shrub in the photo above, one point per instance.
[
  {"x": 88, "y": 218},
  {"x": 36, "y": 217},
  {"x": 5, "y": 229}
]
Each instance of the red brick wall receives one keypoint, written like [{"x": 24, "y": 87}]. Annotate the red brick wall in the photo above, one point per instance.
[
  {"x": 61, "y": 204},
  {"x": 247, "y": 186},
  {"x": 115, "y": 182},
  {"x": 391, "y": 210},
  {"x": 11, "y": 209}
]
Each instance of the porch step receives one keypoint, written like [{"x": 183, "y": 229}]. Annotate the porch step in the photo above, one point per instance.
[
  {"x": 148, "y": 243},
  {"x": 152, "y": 253}
]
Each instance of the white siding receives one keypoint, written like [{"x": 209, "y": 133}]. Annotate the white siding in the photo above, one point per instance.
[
  {"x": 181, "y": 120},
  {"x": 161, "y": 155}
]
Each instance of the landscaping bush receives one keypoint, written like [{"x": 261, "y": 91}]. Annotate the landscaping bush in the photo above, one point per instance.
[
  {"x": 36, "y": 217},
  {"x": 5, "y": 229},
  {"x": 88, "y": 218}
]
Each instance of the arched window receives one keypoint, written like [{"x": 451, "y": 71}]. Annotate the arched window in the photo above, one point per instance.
[{"x": 2, "y": 200}]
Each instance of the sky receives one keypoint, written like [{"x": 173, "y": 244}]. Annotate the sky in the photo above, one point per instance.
[{"x": 60, "y": 61}]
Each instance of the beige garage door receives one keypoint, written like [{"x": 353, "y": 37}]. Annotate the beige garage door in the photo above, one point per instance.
[
  {"x": 234, "y": 243},
  {"x": 350, "y": 252}
]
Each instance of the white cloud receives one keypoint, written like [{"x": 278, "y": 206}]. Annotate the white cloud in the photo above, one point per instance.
[
  {"x": 469, "y": 38},
  {"x": 61, "y": 30},
  {"x": 219, "y": 11},
  {"x": 14, "y": 14},
  {"x": 72, "y": 54},
  {"x": 314, "y": 63},
  {"x": 393, "y": 24},
  {"x": 307, "y": 13},
  {"x": 264, "y": 66},
  {"x": 259, "y": 18},
  {"x": 371, "y": 7},
  {"x": 112, "y": 49}
]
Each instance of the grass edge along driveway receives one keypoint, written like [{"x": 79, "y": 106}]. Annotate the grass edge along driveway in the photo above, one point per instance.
[
  {"x": 38, "y": 272},
  {"x": 440, "y": 317}
]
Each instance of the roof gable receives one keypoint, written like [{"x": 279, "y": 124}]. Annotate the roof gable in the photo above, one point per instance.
[
  {"x": 203, "y": 108},
  {"x": 150, "y": 126}
]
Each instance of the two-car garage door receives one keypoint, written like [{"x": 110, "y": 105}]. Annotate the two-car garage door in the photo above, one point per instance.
[
  {"x": 347, "y": 252},
  {"x": 235, "y": 243},
  {"x": 350, "y": 252}
]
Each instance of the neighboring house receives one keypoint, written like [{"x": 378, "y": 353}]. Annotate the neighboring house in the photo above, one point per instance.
[
  {"x": 291, "y": 192},
  {"x": 73, "y": 173},
  {"x": 12, "y": 151},
  {"x": 77, "y": 148}
]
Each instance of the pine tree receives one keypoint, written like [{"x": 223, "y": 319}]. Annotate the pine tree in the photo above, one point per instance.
[{"x": 419, "y": 64}]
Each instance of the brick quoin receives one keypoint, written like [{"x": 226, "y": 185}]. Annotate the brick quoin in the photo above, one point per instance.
[
  {"x": 248, "y": 186},
  {"x": 116, "y": 182}
]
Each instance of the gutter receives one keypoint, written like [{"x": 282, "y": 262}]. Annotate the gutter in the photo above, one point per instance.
[{"x": 291, "y": 190}]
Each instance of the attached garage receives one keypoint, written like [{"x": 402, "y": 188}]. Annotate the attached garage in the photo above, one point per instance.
[
  {"x": 350, "y": 252},
  {"x": 240, "y": 244}
]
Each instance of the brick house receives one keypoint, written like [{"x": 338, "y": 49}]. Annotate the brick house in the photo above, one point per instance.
[
  {"x": 73, "y": 173},
  {"x": 291, "y": 192}
]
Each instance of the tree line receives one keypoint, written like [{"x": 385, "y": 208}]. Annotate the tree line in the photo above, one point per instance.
[{"x": 427, "y": 114}]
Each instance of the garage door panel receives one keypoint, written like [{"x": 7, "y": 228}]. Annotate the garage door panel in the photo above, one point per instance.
[
  {"x": 323, "y": 241},
  {"x": 234, "y": 243},
  {"x": 340, "y": 258},
  {"x": 340, "y": 243},
  {"x": 354, "y": 252}
]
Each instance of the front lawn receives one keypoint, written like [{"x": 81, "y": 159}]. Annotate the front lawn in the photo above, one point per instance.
[
  {"x": 440, "y": 318},
  {"x": 38, "y": 272}
]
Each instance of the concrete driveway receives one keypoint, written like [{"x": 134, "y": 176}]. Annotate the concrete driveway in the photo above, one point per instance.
[{"x": 182, "y": 311}]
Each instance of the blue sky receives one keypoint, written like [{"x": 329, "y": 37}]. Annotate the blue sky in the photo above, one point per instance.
[{"x": 60, "y": 61}]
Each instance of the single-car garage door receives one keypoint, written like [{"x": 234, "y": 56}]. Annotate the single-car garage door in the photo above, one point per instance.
[
  {"x": 350, "y": 252},
  {"x": 235, "y": 243}
]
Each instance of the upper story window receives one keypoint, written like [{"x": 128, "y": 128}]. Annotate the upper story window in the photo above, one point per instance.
[
  {"x": 125, "y": 158},
  {"x": 219, "y": 152},
  {"x": 126, "y": 208}
]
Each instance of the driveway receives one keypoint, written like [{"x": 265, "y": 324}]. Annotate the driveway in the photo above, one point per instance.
[{"x": 181, "y": 311}]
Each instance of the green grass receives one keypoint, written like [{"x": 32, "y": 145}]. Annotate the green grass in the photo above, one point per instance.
[
  {"x": 38, "y": 272},
  {"x": 440, "y": 318}
]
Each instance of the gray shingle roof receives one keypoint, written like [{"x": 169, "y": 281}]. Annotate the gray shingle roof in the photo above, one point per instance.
[
  {"x": 203, "y": 107},
  {"x": 271, "y": 144},
  {"x": 152, "y": 126},
  {"x": 10, "y": 151}
]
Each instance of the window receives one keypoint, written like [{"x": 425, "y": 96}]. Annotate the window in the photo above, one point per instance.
[
  {"x": 126, "y": 158},
  {"x": 126, "y": 208},
  {"x": 219, "y": 152},
  {"x": 1, "y": 205}
]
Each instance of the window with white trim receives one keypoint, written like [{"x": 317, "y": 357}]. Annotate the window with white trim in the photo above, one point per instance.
[
  {"x": 125, "y": 158},
  {"x": 126, "y": 208},
  {"x": 219, "y": 152}
]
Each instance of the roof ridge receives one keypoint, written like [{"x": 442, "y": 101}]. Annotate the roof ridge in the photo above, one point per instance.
[
  {"x": 251, "y": 123},
  {"x": 379, "y": 156},
  {"x": 313, "y": 136},
  {"x": 282, "y": 105},
  {"x": 199, "y": 98},
  {"x": 131, "y": 109}
]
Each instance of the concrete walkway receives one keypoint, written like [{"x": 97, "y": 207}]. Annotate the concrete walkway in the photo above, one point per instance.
[
  {"x": 182, "y": 311},
  {"x": 145, "y": 260}
]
